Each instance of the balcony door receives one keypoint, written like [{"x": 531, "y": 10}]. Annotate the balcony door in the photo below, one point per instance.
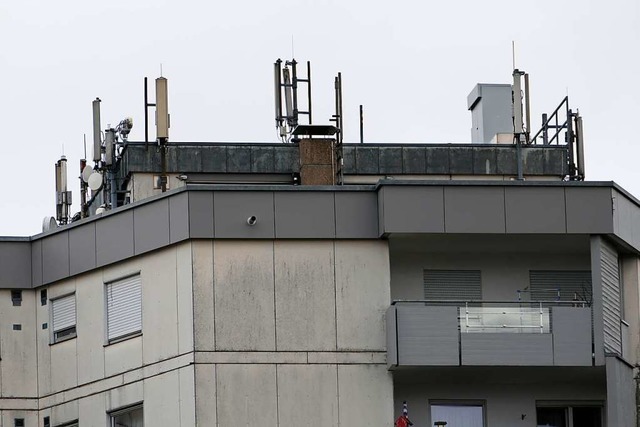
[{"x": 569, "y": 416}]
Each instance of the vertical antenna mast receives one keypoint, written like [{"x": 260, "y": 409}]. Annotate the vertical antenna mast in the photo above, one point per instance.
[
  {"x": 97, "y": 143},
  {"x": 286, "y": 80},
  {"x": 338, "y": 119},
  {"x": 63, "y": 197},
  {"x": 162, "y": 126}
]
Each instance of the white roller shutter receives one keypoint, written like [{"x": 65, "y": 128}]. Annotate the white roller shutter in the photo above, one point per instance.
[
  {"x": 64, "y": 313},
  {"x": 611, "y": 304},
  {"x": 124, "y": 307}
]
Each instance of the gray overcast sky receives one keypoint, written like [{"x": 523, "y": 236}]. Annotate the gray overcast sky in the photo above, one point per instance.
[{"x": 410, "y": 63}]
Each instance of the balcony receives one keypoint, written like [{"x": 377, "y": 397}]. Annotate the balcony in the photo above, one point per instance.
[{"x": 488, "y": 333}]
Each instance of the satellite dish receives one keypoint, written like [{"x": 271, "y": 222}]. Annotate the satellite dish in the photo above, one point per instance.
[
  {"x": 95, "y": 181},
  {"x": 49, "y": 223},
  {"x": 100, "y": 210},
  {"x": 86, "y": 173}
]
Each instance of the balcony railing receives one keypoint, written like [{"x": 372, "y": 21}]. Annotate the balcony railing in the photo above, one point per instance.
[{"x": 539, "y": 333}]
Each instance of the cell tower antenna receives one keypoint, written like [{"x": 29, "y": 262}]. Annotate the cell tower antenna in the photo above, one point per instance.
[
  {"x": 293, "y": 54},
  {"x": 84, "y": 138},
  {"x": 161, "y": 69}
]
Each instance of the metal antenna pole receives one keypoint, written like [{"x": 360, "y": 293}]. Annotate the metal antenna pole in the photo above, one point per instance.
[{"x": 361, "y": 126}]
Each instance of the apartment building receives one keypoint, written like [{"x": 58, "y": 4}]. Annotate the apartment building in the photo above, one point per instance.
[{"x": 482, "y": 284}]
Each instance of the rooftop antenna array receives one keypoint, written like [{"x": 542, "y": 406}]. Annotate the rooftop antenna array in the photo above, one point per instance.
[
  {"x": 63, "y": 196},
  {"x": 286, "y": 83},
  {"x": 338, "y": 118},
  {"x": 101, "y": 178}
]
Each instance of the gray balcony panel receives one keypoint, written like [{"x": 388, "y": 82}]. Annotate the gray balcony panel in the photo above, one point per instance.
[
  {"x": 392, "y": 337},
  {"x": 427, "y": 336},
  {"x": 571, "y": 336},
  {"x": 507, "y": 349}
]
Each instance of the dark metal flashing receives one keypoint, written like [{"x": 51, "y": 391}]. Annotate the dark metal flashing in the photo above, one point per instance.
[{"x": 219, "y": 211}]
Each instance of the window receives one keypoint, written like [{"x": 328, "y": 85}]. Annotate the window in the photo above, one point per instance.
[
  {"x": 63, "y": 318},
  {"x": 569, "y": 416},
  {"x": 16, "y": 298},
  {"x": 459, "y": 285},
  {"x": 124, "y": 308},
  {"x": 457, "y": 414},
  {"x": 128, "y": 417}
]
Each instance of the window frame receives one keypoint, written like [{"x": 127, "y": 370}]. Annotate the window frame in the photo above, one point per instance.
[
  {"x": 71, "y": 331},
  {"x": 569, "y": 405},
  {"x": 133, "y": 334},
  {"x": 459, "y": 402},
  {"x": 111, "y": 415}
]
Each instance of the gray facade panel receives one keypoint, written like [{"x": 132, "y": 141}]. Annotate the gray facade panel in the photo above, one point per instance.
[
  {"x": 555, "y": 162},
  {"x": 238, "y": 159},
  {"x": 413, "y": 209},
  {"x": 286, "y": 159},
  {"x": 626, "y": 219},
  {"x": 535, "y": 210},
  {"x": 36, "y": 263},
  {"x": 189, "y": 160},
  {"x": 461, "y": 161},
  {"x": 367, "y": 160},
  {"x": 507, "y": 349},
  {"x": 571, "y": 336},
  {"x": 355, "y": 215},
  {"x": 437, "y": 159},
  {"x": 82, "y": 248},
  {"x": 15, "y": 265},
  {"x": 414, "y": 160},
  {"x": 262, "y": 160},
  {"x": 532, "y": 161},
  {"x": 485, "y": 161},
  {"x": 589, "y": 210},
  {"x": 232, "y": 209},
  {"x": 55, "y": 257},
  {"x": 179, "y": 217},
  {"x": 114, "y": 238},
  {"x": 381, "y": 226},
  {"x": 507, "y": 163},
  {"x": 390, "y": 160},
  {"x": 474, "y": 210},
  {"x": 214, "y": 159},
  {"x": 392, "y": 337},
  {"x": 201, "y": 214},
  {"x": 151, "y": 226},
  {"x": 349, "y": 156},
  {"x": 301, "y": 214},
  {"x": 621, "y": 394},
  {"x": 427, "y": 336}
]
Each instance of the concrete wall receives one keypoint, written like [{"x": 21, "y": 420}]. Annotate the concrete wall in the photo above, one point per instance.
[
  {"x": 508, "y": 393},
  {"x": 166, "y": 297},
  {"x": 631, "y": 299},
  {"x": 141, "y": 185},
  {"x": 289, "y": 332},
  {"x": 504, "y": 261}
]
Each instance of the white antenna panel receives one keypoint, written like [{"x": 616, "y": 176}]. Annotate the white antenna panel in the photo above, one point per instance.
[
  {"x": 95, "y": 181},
  {"x": 86, "y": 173}
]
